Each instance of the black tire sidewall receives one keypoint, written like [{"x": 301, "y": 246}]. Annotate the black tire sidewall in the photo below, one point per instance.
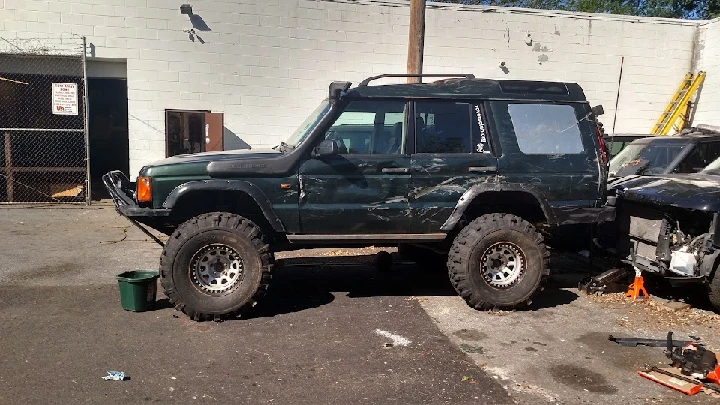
[
  {"x": 530, "y": 277},
  {"x": 227, "y": 301}
]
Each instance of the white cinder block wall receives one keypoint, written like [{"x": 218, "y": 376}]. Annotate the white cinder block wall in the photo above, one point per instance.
[
  {"x": 265, "y": 64},
  {"x": 582, "y": 48},
  {"x": 708, "y": 49}
]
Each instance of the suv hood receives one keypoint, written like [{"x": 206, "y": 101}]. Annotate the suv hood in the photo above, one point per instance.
[
  {"x": 214, "y": 156},
  {"x": 197, "y": 163},
  {"x": 689, "y": 191}
]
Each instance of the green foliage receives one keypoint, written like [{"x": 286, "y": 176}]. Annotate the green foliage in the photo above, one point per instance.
[{"x": 688, "y": 9}]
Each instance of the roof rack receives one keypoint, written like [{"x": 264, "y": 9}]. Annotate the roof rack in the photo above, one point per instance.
[{"x": 369, "y": 79}]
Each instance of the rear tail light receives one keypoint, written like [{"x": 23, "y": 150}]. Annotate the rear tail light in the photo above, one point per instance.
[
  {"x": 601, "y": 143},
  {"x": 144, "y": 193}
]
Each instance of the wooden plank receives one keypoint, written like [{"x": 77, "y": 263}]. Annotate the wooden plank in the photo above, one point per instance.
[{"x": 8, "y": 169}]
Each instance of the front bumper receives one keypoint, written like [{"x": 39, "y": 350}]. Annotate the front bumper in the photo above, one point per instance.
[{"x": 119, "y": 187}]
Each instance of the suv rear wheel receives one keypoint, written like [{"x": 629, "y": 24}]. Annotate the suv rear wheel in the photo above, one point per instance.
[
  {"x": 215, "y": 264},
  {"x": 497, "y": 261}
]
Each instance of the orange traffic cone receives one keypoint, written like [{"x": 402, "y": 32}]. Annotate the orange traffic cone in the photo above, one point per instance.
[{"x": 636, "y": 290}]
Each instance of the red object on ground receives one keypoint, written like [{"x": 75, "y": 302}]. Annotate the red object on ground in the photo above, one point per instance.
[
  {"x": 677, "y": 384},
  {"x": 637, "y": 289}
]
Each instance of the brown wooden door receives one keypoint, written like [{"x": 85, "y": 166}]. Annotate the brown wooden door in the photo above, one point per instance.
[{"x": 213, "y": 132}]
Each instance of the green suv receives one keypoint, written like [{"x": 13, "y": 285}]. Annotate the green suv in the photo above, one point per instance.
[{"x": 477, "y": 170}]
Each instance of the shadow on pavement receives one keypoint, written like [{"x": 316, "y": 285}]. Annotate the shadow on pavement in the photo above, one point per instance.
[
  {"x": 311, "y": 282},
  {"x": 304, "y": 283}
]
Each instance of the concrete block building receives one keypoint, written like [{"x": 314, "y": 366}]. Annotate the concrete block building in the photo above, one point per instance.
[{"x": 233, "y": 74}]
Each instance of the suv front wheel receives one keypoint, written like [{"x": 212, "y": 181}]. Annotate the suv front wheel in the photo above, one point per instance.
[
  {"x": 215, "y": 264},
  {"x": 497, "y": 262}
]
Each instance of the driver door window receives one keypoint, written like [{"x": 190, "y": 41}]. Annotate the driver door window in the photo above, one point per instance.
[{"x": 370, "y": 128}]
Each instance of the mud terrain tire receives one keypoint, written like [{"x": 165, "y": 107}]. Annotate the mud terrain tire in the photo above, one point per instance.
[
  {"x": 215, "y": 265},
  {"x": 498, "y": 261}
]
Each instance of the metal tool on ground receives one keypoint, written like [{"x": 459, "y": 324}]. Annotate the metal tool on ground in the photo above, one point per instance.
[
  {"x": 678, "y": 107},
  {"x": 694, "y": 360},
  {"x": 633, "y": 342},
  {"x": 693, "y": 368}
]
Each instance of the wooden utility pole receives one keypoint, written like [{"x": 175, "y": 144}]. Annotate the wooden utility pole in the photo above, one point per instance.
[{"x": 416, "y": 40}]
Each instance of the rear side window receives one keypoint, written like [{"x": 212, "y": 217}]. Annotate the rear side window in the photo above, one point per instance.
[
  {"x": 449, "y": 127},
  {"x": 540, "y": 128}
]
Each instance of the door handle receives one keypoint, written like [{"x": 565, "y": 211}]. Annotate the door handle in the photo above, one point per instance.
[
  {"x": 482, "y": 169},
  {"x": 395, "y": 170}
]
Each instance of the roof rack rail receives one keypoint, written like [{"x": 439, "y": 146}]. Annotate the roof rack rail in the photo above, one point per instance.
[{"x": 369, "y": 79}]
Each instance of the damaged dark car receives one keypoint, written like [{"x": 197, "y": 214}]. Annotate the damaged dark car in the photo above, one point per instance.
[
  {"x": 478, "y": 171},
  {"x": 668, "y": 226}
]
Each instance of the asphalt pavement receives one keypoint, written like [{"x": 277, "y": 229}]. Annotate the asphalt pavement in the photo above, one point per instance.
[
  {"x": 335, "y": 333},
  {"x": 332, "y": 329}
]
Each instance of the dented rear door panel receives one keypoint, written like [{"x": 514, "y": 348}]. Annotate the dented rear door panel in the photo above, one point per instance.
[
  {"x": 438, "y": 182},
  {"x": 560, "y": 162}
]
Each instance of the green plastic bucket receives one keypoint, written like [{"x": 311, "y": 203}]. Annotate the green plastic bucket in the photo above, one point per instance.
[{"x": 137, "y": 289}]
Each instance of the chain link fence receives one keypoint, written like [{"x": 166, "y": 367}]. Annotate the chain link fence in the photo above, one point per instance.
[{"x": 43, "y": 134}]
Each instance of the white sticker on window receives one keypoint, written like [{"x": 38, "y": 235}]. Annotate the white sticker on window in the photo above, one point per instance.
[{"x": 480, "y": 147}]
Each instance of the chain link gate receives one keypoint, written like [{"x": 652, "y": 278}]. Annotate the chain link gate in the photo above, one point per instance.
[{"x": 43, "y": 120}]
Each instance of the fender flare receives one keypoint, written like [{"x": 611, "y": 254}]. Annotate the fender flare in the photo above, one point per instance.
[
  {"x": 469, "y": 196},
  {"x": 241, "y": 186}
]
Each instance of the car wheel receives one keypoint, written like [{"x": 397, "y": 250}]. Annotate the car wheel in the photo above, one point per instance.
[
  {"x": 497, "y": 261},
  {"x": 215, "y": 265}
]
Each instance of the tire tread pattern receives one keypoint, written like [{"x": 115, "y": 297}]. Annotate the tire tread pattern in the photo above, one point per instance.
[
  {"x": 466, "y": 239},
  {"x": 236, "y": 224}
]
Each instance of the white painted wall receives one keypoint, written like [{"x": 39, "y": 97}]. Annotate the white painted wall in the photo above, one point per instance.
[
  {"x": 708, "y": 49},
  {"x": 267, "y": 63}
]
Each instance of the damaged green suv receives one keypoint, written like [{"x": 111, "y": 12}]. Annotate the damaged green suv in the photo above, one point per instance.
[{"x": 475, "y": 169}]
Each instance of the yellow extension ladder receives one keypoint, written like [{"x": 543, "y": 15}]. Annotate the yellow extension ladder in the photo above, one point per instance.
[{"x": 678, "y": 105}]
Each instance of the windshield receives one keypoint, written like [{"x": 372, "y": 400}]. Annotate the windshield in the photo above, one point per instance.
[
  {"x": 310, "y": 122},
  {"x": 712, "y": 168},
  {"x": 647, "y": 157}
]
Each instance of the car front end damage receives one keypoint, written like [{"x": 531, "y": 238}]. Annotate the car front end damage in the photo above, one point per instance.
[{"x": 670, "y": 226}]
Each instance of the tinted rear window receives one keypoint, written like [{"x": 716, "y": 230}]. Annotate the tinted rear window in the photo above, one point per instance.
[{"x": 540, "y": 128}]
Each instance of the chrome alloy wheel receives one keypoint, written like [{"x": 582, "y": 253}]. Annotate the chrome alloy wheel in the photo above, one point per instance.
[
  {"x": 216, "y": 268},
  {"x": 502, "y": 264}
]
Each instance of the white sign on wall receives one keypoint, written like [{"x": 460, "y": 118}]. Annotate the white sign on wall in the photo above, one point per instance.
[{"x": 64, "y": 99}]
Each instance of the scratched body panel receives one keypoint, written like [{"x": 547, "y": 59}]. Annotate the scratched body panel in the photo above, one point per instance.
[
  {"x": 346, "y": 194},
  {"x": 284, "y": 200},
  {"x": 555, "y": 180},
  {"x": 438, "y": 182},
  {"x": 564, "y": 180}
]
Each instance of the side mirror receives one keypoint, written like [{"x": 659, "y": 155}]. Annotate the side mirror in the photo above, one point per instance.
[
  {"x": 327, "y": 148},
  {"x": 598, "y": 110}
]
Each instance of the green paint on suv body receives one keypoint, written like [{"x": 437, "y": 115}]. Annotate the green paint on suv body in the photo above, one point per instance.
[{"x": 402, "y": 159}]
